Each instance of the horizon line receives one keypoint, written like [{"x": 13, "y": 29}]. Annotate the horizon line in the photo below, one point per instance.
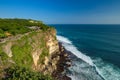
[{"x": 80, "y": 24}]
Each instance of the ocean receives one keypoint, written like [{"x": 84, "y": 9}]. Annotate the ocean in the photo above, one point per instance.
[{"x": 96, "y": 49}]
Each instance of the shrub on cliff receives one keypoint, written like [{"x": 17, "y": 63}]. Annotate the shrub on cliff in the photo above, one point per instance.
[
  {"x": 21, "y": 73},
  {"x": 2, "y": 34}
]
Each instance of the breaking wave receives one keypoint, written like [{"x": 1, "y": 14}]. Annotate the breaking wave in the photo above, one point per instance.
[{"x": 105, "y": 70}]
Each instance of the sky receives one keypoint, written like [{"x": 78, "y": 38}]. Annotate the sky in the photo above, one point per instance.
[{"x": 63, "y": 11}]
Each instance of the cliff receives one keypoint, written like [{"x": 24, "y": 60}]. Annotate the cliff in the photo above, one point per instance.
[
  {"x": 36, "y": 50},
  {"x": 29, "y": 50},
  {"x": 33, "y": 50}
]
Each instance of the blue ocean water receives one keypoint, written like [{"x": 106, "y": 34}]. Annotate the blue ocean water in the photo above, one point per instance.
[{"x": 97, "y": 50}]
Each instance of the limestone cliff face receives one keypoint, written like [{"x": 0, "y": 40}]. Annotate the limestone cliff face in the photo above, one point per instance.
[
  {"x": 52, "y": 44},
  {"x": 35, "y": 50}
]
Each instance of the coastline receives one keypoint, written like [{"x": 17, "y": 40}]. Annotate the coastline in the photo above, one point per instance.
[{"x": 63, "y": 63}]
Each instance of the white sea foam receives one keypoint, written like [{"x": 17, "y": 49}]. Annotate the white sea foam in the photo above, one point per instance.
[
  {"x": 109, "y": 71},
  {"x": 105, "y": 70},
  {"x": 82, "y": 71},
  {"x": 68, "y": 46},
  {"x": 63, "y": 39}
]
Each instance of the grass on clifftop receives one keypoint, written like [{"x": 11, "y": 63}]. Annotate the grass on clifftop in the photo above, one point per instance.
[{"x": 10, "y": 27}]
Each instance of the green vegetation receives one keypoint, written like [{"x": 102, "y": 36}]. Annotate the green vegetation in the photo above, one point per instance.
[
  {"x": 2, "y": 34},
  {"x": 22, "y": 48},
  {"x": 21, "y": 73},
  {"x": 22, "y": 52},
  {"x": 18, "y": 26},
  {"x": 3, "y": 55}
]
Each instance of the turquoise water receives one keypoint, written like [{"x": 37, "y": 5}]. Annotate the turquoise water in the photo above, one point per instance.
[{"x": 97, "y": 50}]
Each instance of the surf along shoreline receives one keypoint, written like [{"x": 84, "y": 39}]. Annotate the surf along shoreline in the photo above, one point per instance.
[
  {"x": 73, "y": 53},
  {"x": 63, "y": 64}
]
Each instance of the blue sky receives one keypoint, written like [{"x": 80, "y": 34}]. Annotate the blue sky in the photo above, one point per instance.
[{"x": 63, "y": 11}]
